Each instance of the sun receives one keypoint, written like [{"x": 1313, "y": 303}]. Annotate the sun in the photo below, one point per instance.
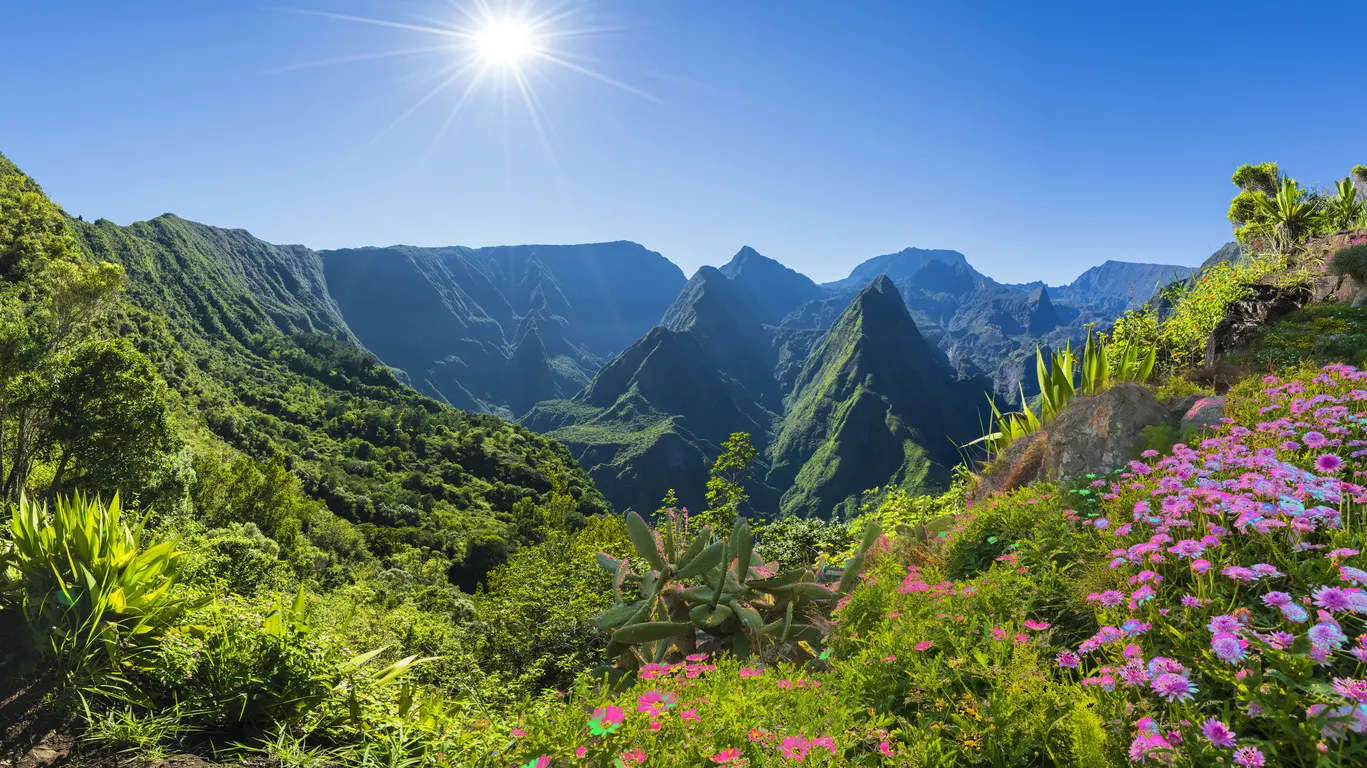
[{"x": 507, "y": 41}]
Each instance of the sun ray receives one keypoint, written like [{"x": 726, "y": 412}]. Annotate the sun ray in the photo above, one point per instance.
[
  {"x": 585, "y": 71},
  {"x": 509, "y": 45},
  {"x": 341, "y": 60}
]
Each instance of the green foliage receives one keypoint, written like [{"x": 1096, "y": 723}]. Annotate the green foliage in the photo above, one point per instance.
[
  {"x": 718, "y": 590},
  {"x": 796, "y": 541},
  {"x": 1318, "y": 333},
  {"x": 1103, "y": 365},
  {"x": 1272, "y": 213},
  {"x": 1263, "y": 177},
  {"x": 726, "y": 483},
  {"x": 535, "y": 626},
  {"x": 94, "y": 596},
  {"x": 1344, "y": 210},
  {"x": 1180, "y": 337},
  {"x": 1351, "y": 261}
]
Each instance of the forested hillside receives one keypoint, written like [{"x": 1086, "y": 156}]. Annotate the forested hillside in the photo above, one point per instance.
[{"x": 266, "y": 383}]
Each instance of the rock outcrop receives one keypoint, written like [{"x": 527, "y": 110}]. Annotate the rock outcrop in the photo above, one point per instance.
[
  {"x": 1265, "y": 303},
  {"x": 1092, "y": 435}
]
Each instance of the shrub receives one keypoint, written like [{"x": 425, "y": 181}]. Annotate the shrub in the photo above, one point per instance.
[
  {"x": 94, "y": 597},
  {"x": 1351, "y": 261},
  {"x": 736, "y": 602}
]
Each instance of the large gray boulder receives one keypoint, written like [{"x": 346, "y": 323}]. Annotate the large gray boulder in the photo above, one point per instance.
[{"x": 1091, "y": 435}]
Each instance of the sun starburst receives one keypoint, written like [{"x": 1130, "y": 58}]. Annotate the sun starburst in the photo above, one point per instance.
[{"x": 485, "y": 46}]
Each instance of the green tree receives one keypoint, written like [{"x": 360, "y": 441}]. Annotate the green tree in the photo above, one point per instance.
[
  {"x": 726, "y": 487},
  {"x": 110, "y": 422}
]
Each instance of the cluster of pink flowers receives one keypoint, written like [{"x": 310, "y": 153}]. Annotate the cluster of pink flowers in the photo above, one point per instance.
[{"x": 1274, "y": 494}]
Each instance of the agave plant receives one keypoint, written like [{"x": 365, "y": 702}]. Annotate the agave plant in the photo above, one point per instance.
[
  {"x": 1344, "y": 210},
  {"x": 703, "y": 593},
  {"x": 1057, "y": 388},
  {"x": 88, "y": 588},
  {"x": 1099, "y": 373}
]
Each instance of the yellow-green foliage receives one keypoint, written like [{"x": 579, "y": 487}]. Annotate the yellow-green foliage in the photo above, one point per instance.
[{"x": 1182, "y": 334}]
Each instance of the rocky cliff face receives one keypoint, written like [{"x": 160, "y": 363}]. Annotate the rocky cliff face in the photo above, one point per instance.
[{"x": 498, "y": 329}]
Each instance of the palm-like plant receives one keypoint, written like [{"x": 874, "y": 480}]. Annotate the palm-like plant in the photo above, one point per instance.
[
  {"x": 1344, "y": 210},
  {"x": 1288, "y": 217}
]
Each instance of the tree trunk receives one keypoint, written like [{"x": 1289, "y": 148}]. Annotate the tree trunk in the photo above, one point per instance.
[{"x": 57, "y": 475}]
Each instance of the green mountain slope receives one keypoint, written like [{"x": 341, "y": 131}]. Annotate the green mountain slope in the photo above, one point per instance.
[
  {"x": 832, "y": 412},
  {"x": 654, "y": 416},
  {"x": 258, "y": 358},
  {"x": 871, "y": 407}
]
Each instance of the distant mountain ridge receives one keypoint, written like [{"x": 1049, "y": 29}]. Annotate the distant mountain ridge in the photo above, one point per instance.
[
  {"x": 832, "y": 410},
  {"x": 606, "y": 348},
  {"x": 499, "y": 329}
]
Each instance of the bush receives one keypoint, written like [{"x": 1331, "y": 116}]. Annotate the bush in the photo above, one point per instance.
[
  {"x": 1351, "y": 261},
  {"x": 94, "y": 597}
]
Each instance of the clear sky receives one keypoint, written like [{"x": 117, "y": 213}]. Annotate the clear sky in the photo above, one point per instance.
[{"x": 1037, "y": 138}]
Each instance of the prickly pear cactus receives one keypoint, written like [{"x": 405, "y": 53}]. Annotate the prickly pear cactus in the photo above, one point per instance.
[{"x": 701, "y": 592}]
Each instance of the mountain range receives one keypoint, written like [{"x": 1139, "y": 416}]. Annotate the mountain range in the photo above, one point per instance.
[{"x": 633, "y": 372}]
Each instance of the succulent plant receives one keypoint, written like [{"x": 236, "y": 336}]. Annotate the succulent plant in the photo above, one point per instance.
[{"x": 704, "y": 593}]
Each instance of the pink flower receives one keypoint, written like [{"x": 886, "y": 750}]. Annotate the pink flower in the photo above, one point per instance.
[
  {"x": 581, "y": 751},
  {"x": 605, "y": 720},
  {"x": 751, "y": 672},
  {"x": 518, "y": 733},
  {"x": 885, "y": 748},
  {"x": 1036, "y": 625},
  {"x": 795, "y": 747},
  {"x": 923, "y": 645},
  {"x": 1217, "y": 733},
  {"x": 541, "y": 762},
  {"x": 690, "y": 715},
  {"x": 654, "y": 702},
  {"x": 636, "y": 756},
  {"x": 726, "y": 755}
]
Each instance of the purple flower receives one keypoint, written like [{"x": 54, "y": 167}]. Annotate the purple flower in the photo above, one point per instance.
[
  {"x": 1276, "y": 599},
  {"x": 1353, "y": 575},
  {"x": 1217, "y": 733},
  {"x": 1112, "y": 597},
  {"x": 1314, "y": 440},
  {"x": 1187, "y": 548},
  {"x": 1229, "y": 647},
  {"x": 1327, "y": 635},
  {"x": 1249, "y": 757},
  {"x": 1067, "y": 659},
  {"x": 1102, "y": 523},
  {"x": 1332, "y": 599},
  {"x": 1328, "y": 463},
  {"x": 1173, "y": 687},
  {"x": 1226, "y": 623},
  {"x": 1240, "y": 573},
  {"x": 1349, "y": 688},
  {"x": 1200, "y": 566}
]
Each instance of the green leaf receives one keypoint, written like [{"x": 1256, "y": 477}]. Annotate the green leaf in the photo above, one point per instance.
[
  {"x": 650, "y": 631},
  {"x": 705, "y": 561},
  {"x": 644, "y": 541}
]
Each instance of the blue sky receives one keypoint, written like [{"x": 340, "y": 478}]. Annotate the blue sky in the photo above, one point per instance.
[{"x": 1039, "y": 139}]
